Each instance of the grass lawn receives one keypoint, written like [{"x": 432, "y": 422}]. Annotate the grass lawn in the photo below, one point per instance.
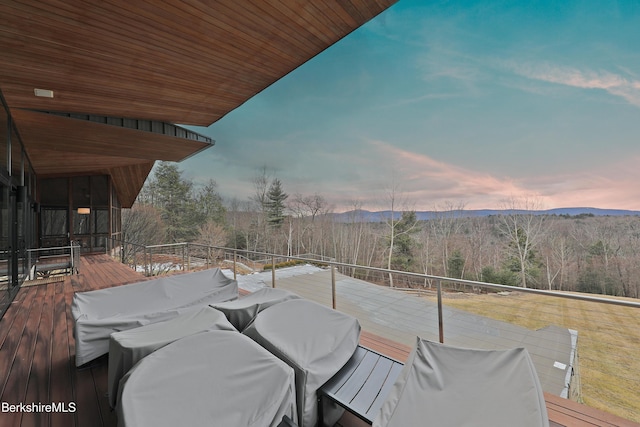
[{"x": 608, "y": 341}]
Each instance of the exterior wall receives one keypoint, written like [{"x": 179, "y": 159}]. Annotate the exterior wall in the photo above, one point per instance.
[{"x": 17, "y": 209}]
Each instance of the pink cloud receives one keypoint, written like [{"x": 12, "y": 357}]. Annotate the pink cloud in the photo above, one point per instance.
[{"x": 429, "y": 182}]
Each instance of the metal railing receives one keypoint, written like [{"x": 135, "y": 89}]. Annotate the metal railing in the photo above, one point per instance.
[
  {"x": 53, "y": 260},
  {"x": 605, "y": 372}
]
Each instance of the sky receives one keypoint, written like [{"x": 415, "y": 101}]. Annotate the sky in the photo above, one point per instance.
[{"x": 451, "y": 103}]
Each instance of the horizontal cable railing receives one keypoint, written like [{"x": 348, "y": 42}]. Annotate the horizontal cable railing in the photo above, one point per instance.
[{"x": 602, "y": 369}]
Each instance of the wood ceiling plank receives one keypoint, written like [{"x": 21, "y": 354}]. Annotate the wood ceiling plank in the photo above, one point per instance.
[
  {"x": 48, "y": 162},
  {"x": 128, "y": 181},
  {"x": 64, "y": 134}
]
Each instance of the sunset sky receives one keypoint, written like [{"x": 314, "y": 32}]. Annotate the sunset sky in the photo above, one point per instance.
[{"x": 456, "y": 103}]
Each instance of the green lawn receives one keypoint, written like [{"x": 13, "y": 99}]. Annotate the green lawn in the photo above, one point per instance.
[{"x": 608, "y": 341}]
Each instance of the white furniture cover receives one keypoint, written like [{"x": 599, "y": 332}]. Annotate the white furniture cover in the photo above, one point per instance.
[
  {"x": 449, "y": 386},
  {"x": 97, "y": 314},
  {"x": 242, "y": 311},
  {"x": 127, "y": 348},
  {"x": 314, "y": 340},
  {"x": 216, "y": 378}
]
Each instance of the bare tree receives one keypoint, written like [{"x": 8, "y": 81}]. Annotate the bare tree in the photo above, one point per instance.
[
  {"x": 306, "y": 209},
  {"x": 524, "y": 228},
  {"x": 142, "y": 224},
  {"x": 478, "y": 241},
  {"x": 397, "y": 223},
  {"x": 446, "y": 224}
]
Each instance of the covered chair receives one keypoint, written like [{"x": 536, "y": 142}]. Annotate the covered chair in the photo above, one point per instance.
[
  {"x": 242, "y": 311},
  {"x": 314, "y": 340},
  {"x": 216, "y": 378},
  {"x": 448, "y": 386},
  {"x": 127, "y": 348}
]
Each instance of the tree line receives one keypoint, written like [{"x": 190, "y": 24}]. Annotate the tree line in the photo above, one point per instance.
[{"x": 584, "y": 253}]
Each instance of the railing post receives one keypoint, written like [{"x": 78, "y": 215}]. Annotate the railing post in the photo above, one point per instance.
[
  {"x": 209, "y": 259},
  {"x": 273, "y": 271},
  {"x": 440, "y": 321},
  {"x": 333, "y": 286},
  {"x": 188, "y": 258},
  {"x": 146, "y": 266},
  {"x": 235, "y": 267}
]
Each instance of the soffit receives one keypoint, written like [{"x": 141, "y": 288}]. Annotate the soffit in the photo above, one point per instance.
[{"x": 178, "y": 61}]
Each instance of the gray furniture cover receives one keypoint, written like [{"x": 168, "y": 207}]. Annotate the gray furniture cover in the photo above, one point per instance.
[
  {"x": 243, "y": 310},
  {"x": 314, "y": 340},
  {"x": 127, "y": 348},
  {"x": 216, "y": 378},
  {"x": 448, "y": 386},
  {"x": 97, "y": 314}
]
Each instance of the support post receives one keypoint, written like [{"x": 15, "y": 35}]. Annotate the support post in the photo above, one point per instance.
[
  {"x": 188, "y": 257},
  {"x": 235, "y": 266},
  {"x": 333, "y": 286},
  {"x": 440, "y": 319},
  {"x": 273, "y": 271}
]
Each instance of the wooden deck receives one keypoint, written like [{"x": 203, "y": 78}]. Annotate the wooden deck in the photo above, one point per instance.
[{"x": 37, "y": 362}]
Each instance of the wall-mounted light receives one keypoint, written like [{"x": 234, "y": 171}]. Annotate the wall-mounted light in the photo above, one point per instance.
[
  {"x": 43, "y": 93},
  {"x": 84, "y": 211}
]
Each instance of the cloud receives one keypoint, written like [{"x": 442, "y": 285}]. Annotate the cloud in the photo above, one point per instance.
[
  {"x": 627, "y": 88},
  {"x": 428, "y": 183}
]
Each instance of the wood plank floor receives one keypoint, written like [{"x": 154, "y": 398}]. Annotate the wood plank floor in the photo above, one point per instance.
[{"x": 37, "y": 351}]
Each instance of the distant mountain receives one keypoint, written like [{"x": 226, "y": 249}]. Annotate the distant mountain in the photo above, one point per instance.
[{"x": 369, "y": 216}]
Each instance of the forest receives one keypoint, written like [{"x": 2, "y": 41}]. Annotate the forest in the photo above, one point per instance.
[{"x": 584, "y": 253}]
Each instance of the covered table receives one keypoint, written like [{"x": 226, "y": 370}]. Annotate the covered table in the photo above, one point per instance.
[
  {"x": 314, "y": 340},
  {"x": 458, "y": 387},
  {"x": 127, "y": 348},
  {"x": 97, "y": 314},
  {"x": 216, "y": 378},
  {"x": 242, "y": 311}
]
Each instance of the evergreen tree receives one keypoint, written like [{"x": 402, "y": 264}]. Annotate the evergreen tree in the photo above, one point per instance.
[
  {"x": 210, "y": 203},
  {"x": 456, "y": 264},
  {"x": 174, "y": 198},
  {"x": 403, "y": 242},
  {"x": 275, "y": 203}
]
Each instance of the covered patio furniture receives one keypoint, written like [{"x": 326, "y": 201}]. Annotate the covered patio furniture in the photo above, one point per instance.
[
  {"x": 216, "y": 378},
  {"x": 460, "y": 387},
  {"x": 127, "y": 348},
  {"x": 314, "y": 340},
  {"x": 97, "y": 314},
  {"x": 242, "y": 311}
]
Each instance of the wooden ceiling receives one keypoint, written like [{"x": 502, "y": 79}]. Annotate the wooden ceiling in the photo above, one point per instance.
[
  {"x": 177, "y": 61},
  {"x": 63, "y": 146}
]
